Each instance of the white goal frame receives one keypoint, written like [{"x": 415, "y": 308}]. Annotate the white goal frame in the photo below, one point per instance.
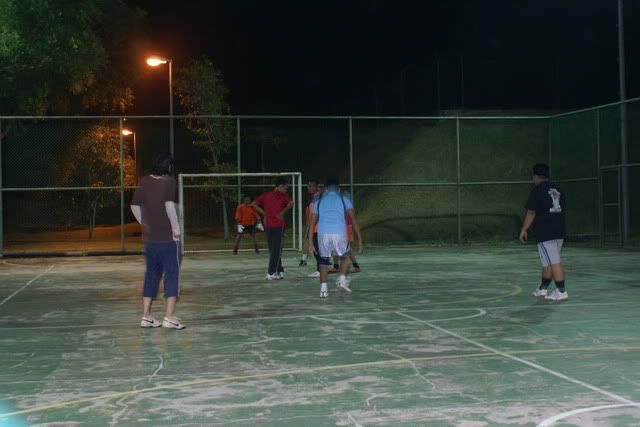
[{"x": 297, "y": 224}]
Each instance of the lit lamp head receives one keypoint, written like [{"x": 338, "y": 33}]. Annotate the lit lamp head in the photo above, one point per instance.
[
  {"x": 127, "y": 132},
  {"x": 155, "y": 61}
]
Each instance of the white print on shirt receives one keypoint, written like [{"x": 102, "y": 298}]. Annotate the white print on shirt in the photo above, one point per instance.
[{"x": 555, "y": 199}]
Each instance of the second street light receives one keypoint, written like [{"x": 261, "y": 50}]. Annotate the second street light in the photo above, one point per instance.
[
  {"x": 156, "y": 61},
  {"x": 127, "y": 132}
]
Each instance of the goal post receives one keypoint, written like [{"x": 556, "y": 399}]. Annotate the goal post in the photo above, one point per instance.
[{"x": 207, "y": 203}]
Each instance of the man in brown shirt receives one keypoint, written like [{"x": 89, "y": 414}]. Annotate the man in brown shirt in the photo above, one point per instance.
[{"x": 153, "y": 205}]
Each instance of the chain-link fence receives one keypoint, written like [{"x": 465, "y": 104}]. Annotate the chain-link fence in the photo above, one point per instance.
[
  {"x": 66, "y": 182},
  {"x": 595, "y": 155}
]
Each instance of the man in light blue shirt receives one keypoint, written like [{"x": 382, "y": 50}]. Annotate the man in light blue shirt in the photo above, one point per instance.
[{"x": 330, "y": 212}]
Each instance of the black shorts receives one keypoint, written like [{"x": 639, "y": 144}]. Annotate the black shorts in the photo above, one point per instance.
[{"x": 249, "y": 229}]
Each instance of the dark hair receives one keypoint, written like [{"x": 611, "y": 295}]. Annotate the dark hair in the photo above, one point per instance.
[
  {"x": 541, "y": 169},
  {"x": 333, "y": 182},
  {"x": 247, "y": 196},
  {"x": 162, "y": 164},
  {"x": 282, "y": 181},
  {"x": 313, "y": 180}
]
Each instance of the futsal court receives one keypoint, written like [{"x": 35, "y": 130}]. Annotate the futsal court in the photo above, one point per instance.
[{"x": 430, "y": 336}]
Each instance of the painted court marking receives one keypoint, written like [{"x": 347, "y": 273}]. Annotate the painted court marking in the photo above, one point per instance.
[
  {"x": 26, "y": 284},
  {"x": 552, "y": 420},
  {"x": 480, "y": 312},
  {"x": 304, "y": 316},
  {"x": 303, "y": 371},
  {"x": 523, "y": 361}
]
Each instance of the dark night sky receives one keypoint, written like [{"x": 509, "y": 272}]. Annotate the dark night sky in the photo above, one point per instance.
[{"x": 354, "y": 57}]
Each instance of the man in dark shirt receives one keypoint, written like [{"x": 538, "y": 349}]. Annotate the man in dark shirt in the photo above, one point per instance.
[
  {"x": 153, "y": 205},
  {"x": 273, "y": 205},
  {"x": 545, "y": 211}
]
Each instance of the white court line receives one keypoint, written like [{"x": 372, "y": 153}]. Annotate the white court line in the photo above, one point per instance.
[
  {"x": 353, "y": 420},
  {"x": 26, "y": 284},
  {"x": 526, "y": 362},
  {"x": 480, "y": 313},
  {"x": 307, "y": 316},
  {"x": 552, "y": 420}
]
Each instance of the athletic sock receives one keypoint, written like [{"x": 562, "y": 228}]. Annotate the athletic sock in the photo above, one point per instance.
[
  {"x": 544, "y": 283},
  {"x": 342, "y": 278},
  {"x": 560, "y": 285}
]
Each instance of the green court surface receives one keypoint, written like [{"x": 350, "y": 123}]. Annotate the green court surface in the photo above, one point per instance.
[{"x": 430, "y": 336}]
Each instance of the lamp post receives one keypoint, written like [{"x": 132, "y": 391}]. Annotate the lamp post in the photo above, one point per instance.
[
  {"x": 155, "y": 61},
  {"x": 127, "y": 132}
]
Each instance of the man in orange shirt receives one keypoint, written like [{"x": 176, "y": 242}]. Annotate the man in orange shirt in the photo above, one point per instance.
[{"x": 248, "y": 220}]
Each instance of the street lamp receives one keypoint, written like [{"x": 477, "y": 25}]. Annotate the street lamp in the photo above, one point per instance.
[
  {"x": 127, "y": 132},
  {"x": 156, "y": 61}
]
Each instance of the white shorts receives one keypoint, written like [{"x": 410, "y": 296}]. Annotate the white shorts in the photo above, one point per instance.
[
  {"x": 329, "y": 244},
  {"x": 549, "y": 252}
]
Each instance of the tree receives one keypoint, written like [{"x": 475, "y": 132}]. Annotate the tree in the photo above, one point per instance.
[
  {"x": 201, "y": 91},
  {"x": 94, "y": 161},
  {"x": 61, "y": 56}
]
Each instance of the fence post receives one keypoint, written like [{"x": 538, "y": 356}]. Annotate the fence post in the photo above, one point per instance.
[
  {"x": 600, "y": 201},
  {"x": 181, "y": 211},
  {"x": 238, "y": 156},
  {"x": 549, "y": 143},
  {"x": 459, "y": 213},
  {"x": 351, "y": 159},
  {"x": 293, "y": 213},
  {"x": 300, "y": 235},
  {"x": 1, "y": 198},
  {"x": 121, "y": 187},
  {"x": 620, "y": 212}
]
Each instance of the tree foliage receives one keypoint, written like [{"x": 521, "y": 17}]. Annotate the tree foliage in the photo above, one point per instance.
[
  {"x": 94, "y": 161},
  {"x": 201, "y": 92},
  {"x": 61, "y": 56}
]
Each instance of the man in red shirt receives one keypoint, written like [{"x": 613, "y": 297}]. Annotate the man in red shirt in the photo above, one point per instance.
[{"x": 273, "y": 205}]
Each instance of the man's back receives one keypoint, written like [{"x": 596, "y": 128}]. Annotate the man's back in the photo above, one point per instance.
[
  {"x": 548, "y": 202},
  {"x": 331, "y": 208},
  {"x": 152, "y": 195}
]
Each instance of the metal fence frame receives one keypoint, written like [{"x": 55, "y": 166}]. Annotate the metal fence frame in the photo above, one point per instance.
[
  {"x": 458, "y": 183},
  {"x": 297, "y": 235}
]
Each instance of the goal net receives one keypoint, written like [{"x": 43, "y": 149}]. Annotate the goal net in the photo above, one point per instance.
[{"x": 207, "y": 205}]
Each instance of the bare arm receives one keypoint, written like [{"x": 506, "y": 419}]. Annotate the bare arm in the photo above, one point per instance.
[
  {"x": 284, "y": 211},
  {"x": 528, "y": 221},
  {"x": 137, "y": 212},
  {"x": 310, "y": 247},
  {"x": 170, "y": 208},
  {"x": 258, "y": 208},
  {"x": 356, "y": 228}
]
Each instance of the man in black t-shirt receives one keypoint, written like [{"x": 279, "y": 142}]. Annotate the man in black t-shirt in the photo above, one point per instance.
[{"x": 545, "y": 211}]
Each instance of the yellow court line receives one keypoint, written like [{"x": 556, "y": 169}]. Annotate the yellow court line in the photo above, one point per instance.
[{"x": 302, "y": 371}]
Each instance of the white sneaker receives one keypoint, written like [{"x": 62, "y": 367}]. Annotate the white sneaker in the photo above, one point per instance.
[
  {"x": 556, "y": 295},
  {"x": 149, "y": 322},
  {"x": 315, "y": 274},
  {"x": 343, "y": 283},
  {"x": 280, "y": 275},
  {"x": 324, "y": 291},
  {"x": 273, "y": 276},
  {"x": 540, "y": 292},
  {"x": 174, "y": 323}
]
